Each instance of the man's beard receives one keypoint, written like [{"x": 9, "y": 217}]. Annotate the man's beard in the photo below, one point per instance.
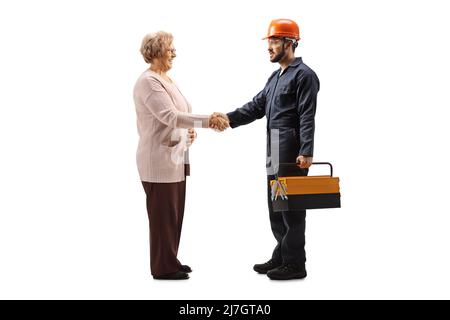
[{"x": 278, "y": 57}]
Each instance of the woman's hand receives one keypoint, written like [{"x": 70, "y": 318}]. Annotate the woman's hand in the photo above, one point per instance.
[{"x": 192, "y": 135}]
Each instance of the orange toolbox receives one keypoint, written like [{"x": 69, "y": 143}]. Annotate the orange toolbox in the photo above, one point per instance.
[{"x": 292, "y": 190}]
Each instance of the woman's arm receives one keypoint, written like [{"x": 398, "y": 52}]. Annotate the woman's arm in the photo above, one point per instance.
[{"x": 159, "y": 103}]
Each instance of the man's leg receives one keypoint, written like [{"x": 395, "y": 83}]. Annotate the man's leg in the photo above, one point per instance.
[
  {"x": 293, "y": 242},
  {"x": 277, "y": 224},
  {"x": 278, "y": 230}
]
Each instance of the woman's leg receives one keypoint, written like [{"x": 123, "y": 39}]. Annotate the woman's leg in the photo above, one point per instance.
[
  {"x": 181, "y": 201},
  {"x": 165, "y": 208}
]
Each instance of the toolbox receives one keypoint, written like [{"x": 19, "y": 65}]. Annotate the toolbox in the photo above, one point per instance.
[{"x": 292, "y": 190}]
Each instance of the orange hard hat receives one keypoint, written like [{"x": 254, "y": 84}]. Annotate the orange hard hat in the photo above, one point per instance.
[{"x": 283, "y": 28}]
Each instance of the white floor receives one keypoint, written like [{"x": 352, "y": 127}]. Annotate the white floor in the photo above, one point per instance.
[{"x": 102, "y": 253}]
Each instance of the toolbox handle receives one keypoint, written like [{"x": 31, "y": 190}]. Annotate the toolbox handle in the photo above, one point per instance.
[
  {"x": 326, "y": 163},
  {"x": 319, "y": 163}
]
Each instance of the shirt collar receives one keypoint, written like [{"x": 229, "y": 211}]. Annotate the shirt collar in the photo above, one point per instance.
[{"x": 296, "y": 62}]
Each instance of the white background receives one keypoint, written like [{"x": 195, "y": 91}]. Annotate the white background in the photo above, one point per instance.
[{"x": 73, "y": 222}]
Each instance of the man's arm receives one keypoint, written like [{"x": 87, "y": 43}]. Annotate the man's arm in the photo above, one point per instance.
[
  {"x": 251, "y": 111},
  {"x": 307, "y": 100}
]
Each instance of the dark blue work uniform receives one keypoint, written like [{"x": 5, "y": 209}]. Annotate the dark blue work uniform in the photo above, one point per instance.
[{"x": 289, "y": 103}]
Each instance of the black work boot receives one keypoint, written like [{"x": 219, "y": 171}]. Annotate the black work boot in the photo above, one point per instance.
[
  {"x": 266, "y": 266},
  {"x": 287, "y": 272}
]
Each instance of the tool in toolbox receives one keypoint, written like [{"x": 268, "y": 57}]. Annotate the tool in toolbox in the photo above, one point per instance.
[{"x": 292, "y": 190}]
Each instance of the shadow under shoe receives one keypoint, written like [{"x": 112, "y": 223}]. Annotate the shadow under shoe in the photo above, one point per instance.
[
  {"x": 287, "y": 272},
  {"x": 266, "y": 266},
  {"x": 179, "y": 275}
]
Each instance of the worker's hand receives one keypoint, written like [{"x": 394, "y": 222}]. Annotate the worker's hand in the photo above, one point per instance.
[
  {"x": 192, "y": 135},
  {"x": 219, "y": 121},
  {"x": 304, "y": 161}
]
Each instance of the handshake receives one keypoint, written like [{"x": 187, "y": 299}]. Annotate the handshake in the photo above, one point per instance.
[{"x": 219, "y": 121}]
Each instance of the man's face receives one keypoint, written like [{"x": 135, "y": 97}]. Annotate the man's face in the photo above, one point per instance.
[{"x": 276, "y": 49}]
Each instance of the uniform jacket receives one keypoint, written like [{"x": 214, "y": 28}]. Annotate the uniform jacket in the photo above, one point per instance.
[{"x": 288, "y": 101}]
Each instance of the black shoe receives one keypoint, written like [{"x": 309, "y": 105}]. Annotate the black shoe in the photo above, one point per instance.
[
  {"x": 266, "y": 266},
  {"x": 185, "y": 268},
  {"x": 287, "y": 272},
  {"x": 173, "y": 276}
]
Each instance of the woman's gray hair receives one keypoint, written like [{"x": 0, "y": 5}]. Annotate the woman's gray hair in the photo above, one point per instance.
[{"x": 155, "y": 45}]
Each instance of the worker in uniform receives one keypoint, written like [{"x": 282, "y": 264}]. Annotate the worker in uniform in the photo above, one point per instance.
[{"x": 288, "y": 101}]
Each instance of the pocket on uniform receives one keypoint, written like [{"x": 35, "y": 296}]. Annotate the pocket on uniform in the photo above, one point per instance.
[{"x": 287, "y": 95}]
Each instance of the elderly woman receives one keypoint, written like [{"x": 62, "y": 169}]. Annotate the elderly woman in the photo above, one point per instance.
[{"x": 166, "y": 130}]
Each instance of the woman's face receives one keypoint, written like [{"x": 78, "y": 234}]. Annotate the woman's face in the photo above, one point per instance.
[{"x": 167, "y": 59}]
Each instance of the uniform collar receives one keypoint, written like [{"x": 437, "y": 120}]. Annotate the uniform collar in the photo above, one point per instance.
[{"x": 297, "y": 61}]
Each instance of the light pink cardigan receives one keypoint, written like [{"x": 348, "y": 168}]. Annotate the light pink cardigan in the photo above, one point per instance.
[{"x": 163, "y": 117}]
